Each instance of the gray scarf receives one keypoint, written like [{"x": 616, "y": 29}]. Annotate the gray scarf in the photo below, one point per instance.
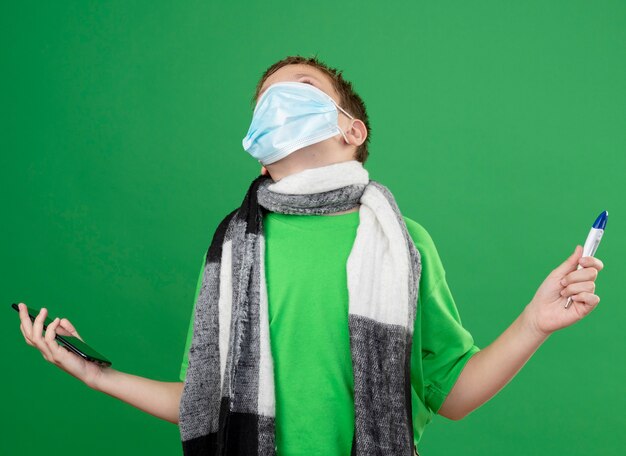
[{"x": 228, "y": 403}]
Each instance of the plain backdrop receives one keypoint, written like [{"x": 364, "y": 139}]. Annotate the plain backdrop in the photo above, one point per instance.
[{"x": 499, "y": 126}]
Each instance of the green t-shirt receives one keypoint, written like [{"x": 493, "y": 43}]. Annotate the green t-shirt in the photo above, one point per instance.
[{"x": 307, "y": 290}]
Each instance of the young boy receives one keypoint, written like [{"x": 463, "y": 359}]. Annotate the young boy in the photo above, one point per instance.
[{"x": 307, "y": 298}]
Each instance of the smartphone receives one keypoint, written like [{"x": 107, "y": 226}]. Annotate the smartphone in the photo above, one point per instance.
[{"x": 73, "y": 344}]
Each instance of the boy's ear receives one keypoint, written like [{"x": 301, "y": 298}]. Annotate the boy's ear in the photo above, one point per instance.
[{"x": 264, "y": 171}]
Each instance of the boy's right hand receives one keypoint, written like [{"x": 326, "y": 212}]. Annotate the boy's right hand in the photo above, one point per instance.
[{"x": 51, "y": 351}]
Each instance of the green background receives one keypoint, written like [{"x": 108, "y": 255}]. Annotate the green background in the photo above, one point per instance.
[{"x": 499, "y": 126}]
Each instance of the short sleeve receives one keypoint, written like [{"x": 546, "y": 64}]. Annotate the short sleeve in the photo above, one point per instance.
[
  {"x": 185, "y": 362},
  {"x": 446, "y": 346}
]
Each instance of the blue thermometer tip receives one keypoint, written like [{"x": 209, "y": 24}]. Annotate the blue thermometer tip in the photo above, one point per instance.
[{"x": 600, "y": 222}]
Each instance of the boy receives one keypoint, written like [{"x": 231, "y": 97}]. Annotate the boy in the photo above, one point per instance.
[{"x": 307, "y": 306}]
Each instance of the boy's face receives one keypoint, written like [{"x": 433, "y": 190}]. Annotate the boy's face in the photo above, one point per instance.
[{"x": 308, "y": 75}]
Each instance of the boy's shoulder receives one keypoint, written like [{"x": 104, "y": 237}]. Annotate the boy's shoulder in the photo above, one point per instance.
[
  {"x": 429, "y": 254},
  {"x": 419, "y": 234}
]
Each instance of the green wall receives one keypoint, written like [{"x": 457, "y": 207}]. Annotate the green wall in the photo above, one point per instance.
[{"x": 499, "y": 126}]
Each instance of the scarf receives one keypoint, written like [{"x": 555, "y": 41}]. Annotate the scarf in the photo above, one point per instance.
[{"x": 228, "y": 404}]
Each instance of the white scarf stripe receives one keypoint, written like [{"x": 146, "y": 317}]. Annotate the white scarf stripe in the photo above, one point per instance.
[
  {"x": 225, "y": 305},
  {"x": 378, "y": 268},
  {"x": 267, "y": 400}
]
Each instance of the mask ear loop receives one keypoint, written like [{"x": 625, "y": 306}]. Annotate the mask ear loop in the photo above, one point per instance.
[{"x": 346, "y": 113}]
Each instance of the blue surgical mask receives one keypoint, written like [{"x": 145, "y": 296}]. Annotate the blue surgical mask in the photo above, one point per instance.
[{"x": 289, "y": 116}]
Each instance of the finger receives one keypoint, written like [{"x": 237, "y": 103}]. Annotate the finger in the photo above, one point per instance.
[
  {"x": 578, "y": 287},
  {"x": 580, "y": 275},
  {"x": 27, "y": 323},
  {"x": 65, "y": 328},
  {"x": 569, "y": 264},
  {"x": 49, "y": 338},
  {"x": 28, "y": 341},
  {"x": 36, "y": 336},
  {"x": 69, "y": 328},
  {"x": 591, "y": 262},
  {"x": 38, "y": 326},
  {"x": 586, "y": 298}
]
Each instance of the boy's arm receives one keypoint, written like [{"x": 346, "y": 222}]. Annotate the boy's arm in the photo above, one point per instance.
[
  {"x": 160, "y": 399},
  {"x": 490, "y": 369}
]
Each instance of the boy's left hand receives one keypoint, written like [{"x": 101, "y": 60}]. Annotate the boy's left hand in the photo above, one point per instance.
[{"x": 546, "y": 312}]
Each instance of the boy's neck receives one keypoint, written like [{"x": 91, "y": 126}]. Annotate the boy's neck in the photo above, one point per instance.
[{"x": 354, "y": 209}]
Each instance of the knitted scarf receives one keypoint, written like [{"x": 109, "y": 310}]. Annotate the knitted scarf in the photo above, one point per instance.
[{"x": 228, "y": 404}]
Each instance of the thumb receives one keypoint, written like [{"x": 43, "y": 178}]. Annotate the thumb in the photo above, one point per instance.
[
  {"x": 569, "y": 264},
  {"x": 68, "y": 328}
]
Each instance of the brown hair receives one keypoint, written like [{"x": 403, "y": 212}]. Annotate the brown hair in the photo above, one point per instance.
[{"x": 348, "y": 98}]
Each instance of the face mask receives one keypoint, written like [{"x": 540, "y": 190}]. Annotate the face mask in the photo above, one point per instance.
[{"x": 290, "y": 116}]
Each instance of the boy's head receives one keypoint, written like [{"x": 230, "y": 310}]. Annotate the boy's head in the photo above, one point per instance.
[{"x": 329, "y": 80}]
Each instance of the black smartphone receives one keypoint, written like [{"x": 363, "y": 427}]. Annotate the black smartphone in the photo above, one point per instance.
[{"x": 73, "y": 344}]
